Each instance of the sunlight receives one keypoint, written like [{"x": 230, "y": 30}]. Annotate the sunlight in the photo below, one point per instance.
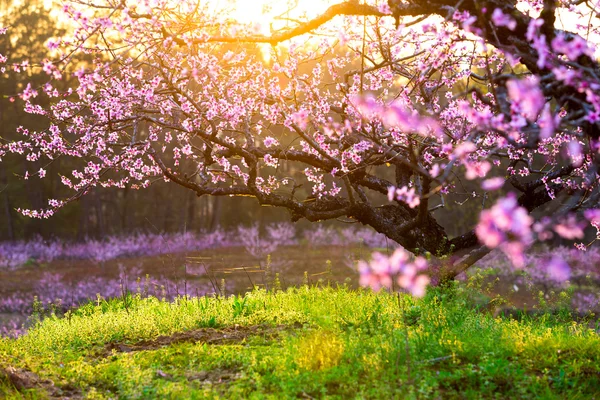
[{"x": 267, "y": 16}]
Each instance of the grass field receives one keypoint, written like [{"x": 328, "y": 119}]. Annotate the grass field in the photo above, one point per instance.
[{"x": 306, "y": 342}]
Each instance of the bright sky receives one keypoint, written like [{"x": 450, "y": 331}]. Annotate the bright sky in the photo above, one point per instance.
[{"x": 271, "y": 13}]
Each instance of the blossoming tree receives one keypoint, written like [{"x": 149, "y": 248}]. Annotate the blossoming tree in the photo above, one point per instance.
[{"x": 404, "y": 103}]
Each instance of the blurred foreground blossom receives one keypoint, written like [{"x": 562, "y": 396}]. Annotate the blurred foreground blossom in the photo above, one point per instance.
[
  {"x": 493, "y": 184},
  {"x": 569, "y": 228},
  {"x": 527, "y": 96},
  {"x": 382, "y": 271},
  {"x": 508, "y": 226},
  {"x": 501, "y": 19}
]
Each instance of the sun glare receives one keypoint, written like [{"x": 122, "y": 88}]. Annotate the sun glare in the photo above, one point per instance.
[{"x": 269, "y": 15}]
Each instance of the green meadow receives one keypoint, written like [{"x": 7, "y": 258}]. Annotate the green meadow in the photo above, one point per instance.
[{"x": 306, "y": 342}]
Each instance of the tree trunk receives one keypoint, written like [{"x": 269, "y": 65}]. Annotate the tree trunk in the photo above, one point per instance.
[
  {"x": 215, "y": 217},
  {"x": 124, "y": 210},
  {"x": 191, "y": 210},
  {"x": 7, "y": 208}
]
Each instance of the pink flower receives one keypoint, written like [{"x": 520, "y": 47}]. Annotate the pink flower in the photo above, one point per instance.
[
  {"x": 404, "y": 194},
  {"x": 573, "y": 48},
  {"x": 381, "y": 270},
  {"x": 477, "y": 169},
  {"x": 29, "y": 92},
  {"x": 492, "y": 184},
  {"x": 435, "y": 170},
  {"x": 576, "y": 152},
  {"x": 463, "y": 150},
  {"x": 547, "y": 122},
  {"x": 300, "y": 118},
  {"x": 377, "y": 273},
  {"x": 411, "y": 280},
  {"x": 501, "y": 19},
  {"x": 515, "y": 251},
  {"x": 581, "y": 246},
  {"x": 270, "y": 141},
  {"x": 384, "y": 8},
  {"x": 399, "y": 116},
  {"x": 569, "y": 228},
  {"x": 527, "y": 95},
  {"x": 593, "y": 215},
  {"x": 508, "y": 226}
]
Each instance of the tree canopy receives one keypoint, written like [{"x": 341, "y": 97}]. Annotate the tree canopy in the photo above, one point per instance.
[{"x": 385, "y": 113}]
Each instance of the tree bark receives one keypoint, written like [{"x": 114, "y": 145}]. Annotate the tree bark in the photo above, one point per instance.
[{"x": 10, "y": 228}]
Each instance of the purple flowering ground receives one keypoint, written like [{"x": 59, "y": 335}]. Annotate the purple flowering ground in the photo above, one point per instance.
[
  {"x": 61, "y": 275},
  {"x": 64, "y": 275}
]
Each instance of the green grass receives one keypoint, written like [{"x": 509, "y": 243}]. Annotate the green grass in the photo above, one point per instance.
[{"x": 305, "y": 343}]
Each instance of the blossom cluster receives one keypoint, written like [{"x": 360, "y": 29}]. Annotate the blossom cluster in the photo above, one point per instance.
[
  {"x": 508, "y": 226},
  {"x": 383, "y": 271},
  {"x": 404, "y": 194}
]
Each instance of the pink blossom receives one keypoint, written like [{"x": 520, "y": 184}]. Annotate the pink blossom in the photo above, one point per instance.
[
  {"x": 435, "y": 170},
  {"x": 477, "y": 169},
  {"x": 410, "y": 278},
  {"x": 380, "y": 272},
  {"x": 270, "y": 141},
  {"x": 508, "y": 226},
  {"x": 527, "y": 95},
  {"x": 384, "y": 8},
  {"x": 501, "y": 19},
  {"x": 464, "y": 149},
  {"x": 515, "y": 251},
  {"x": 377, "y": 273},
  {"x": 404, "y": 194},
  {"x": 492, "y": 184},
  {"x": 399, "y": 116},
  {"x": 581, "y": 246},
  {"x": 396, "y": 115},
  {"x": 300, "y": 118},
  {"x": 569, "y": 228},
  {"x": 573, "y": 48},
  {"x": 29, "y": 93},
  {"x": 547, "y": 122},
  {"x": 576, "y": 152},
  {"x": 593, "y": 215}
]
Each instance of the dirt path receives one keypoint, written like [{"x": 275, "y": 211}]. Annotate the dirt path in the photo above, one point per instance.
[
  {"x": 228, "y": 335},
  {"x": 23, "y": 380}
]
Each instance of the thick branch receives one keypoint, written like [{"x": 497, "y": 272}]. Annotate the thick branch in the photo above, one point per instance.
[{"x": 350, "y": 8}]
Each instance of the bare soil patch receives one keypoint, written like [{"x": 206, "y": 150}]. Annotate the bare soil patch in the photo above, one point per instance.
[
  {"x": 227, "y": 335},
  {"x": 23, "y": 380}
]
